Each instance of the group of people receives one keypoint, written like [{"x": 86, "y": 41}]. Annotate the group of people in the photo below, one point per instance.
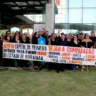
[{"x": 60, "y": 39}]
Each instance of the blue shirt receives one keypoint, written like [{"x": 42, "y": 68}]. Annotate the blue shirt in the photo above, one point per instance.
[{"x": 41, "y": 41}]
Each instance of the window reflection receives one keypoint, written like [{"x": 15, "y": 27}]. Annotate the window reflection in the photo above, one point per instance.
[
  {"x": 75, "y": 15},
  {"x": 89, "y": 15},
  {"x": 75, "y": 28},
  {"x": 62, "y": 16},
  {"x": 78, "y": 15},
  {"x": 89, "y": 3},
  {"x": 87, "y": 28},
  {"x": 75, "y": 3}
]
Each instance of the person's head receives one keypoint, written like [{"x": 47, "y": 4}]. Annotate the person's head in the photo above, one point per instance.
[
  {"x": 36, "y": 34},
  {"x": 70, "y": 35},
  {"x": 92, "y": 34},
  {"x": 2, "y": 37},
  {"x": 53, "y": 35},
  {"x": 12, "y": 35},
  {"x": 17, "y": 35},
  {"x": 62, "y": 36},
  {"x": 81, "y": 36},
  {"x": 41, "y": 33},
  {"x": 75, "y": 38},
  {"x": 46, "y": 33},
  {"x": 24, "y": 36},
  {"x": 87, "y": 36},
  {"x": 8, "y": 34}
]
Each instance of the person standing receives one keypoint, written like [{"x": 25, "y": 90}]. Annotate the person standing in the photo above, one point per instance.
[
  {"x": 75, "y": 43},
  {"x": 1, "y": 42},
  {"x": 69, "y": 39},
  {"x": 53, "y": 41},
  {"x": 25, "y": 39},
  {"x": 24, "y": 63},
  {"x": 6, "y": 61},
  {"x": 86, "y": 43},
  {"x": 63, "y": 43},
  {"x": 35, "y": 41},
  {"x": 17, "y": 38},
  {"x": 7, "y": 37},
  {"x": 35, "y": 37},
  {"x": 93, "y": 38},
  {"x": 80, "y": 38}
]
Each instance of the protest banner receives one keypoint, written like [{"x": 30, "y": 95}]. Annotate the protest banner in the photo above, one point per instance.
[{"x": 50, "y": 53}]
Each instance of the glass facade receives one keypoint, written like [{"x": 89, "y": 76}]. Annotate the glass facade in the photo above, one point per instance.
[{"x": 76, "y": 16}]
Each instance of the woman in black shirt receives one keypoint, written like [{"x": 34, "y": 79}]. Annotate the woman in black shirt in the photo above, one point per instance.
[
  {"x": 7, "y": 38},
  {"x": 86, "y": 43},
  {"x": 25, "y": 39},
  {"x": 69, "y": 43},
  {"x": 6, "y": 61},
  {"x": 17, "y": 38},
  {"x": 75, "y": 43},
  {"x": 69, "y": 39},
  {"x": 1, "y": 42},
  {"x": 34, "y": 38},
  {"x": 53, "y": 40}
]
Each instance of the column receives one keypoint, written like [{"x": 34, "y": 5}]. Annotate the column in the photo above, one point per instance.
[
  {"x": 21, "y": 29},
  {"x": 50, "y": 16}
]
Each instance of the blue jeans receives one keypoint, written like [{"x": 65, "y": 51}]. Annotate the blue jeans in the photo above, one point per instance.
[{"x": 74, "y": 67}]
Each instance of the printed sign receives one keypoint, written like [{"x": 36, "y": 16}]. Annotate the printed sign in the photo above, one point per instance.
[
  {"x": 39, "y": 27},
  {"x": 50, "y": 53}
]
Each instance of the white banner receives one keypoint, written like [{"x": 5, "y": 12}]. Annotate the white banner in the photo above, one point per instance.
[
  {"x": 49, "y": 53},
  {"x": 39, "y": 27}
]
